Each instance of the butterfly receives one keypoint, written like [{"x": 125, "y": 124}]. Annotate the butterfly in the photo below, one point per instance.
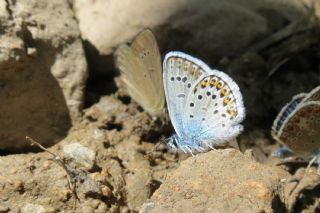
[
  {"x": 297, "y": 127},
  {"x": 205, "y": 106},
  {"x": 141, "y": 72}
]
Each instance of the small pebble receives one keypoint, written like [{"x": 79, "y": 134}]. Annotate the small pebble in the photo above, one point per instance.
[
  {"x": 82, "y": 155},
  {"x": 106, "y": 191},
  {"x": 18, "y": 185},
  {"x": 34, "y": 208}
]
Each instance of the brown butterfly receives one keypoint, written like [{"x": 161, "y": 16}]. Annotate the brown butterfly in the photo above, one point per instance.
[
  {"x": 297, "y": 126},
  {"x": 141, "y": 72}
]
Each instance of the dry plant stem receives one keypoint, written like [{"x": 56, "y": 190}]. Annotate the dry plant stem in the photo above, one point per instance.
[
  {"x": 276, "y": 67},
  {"x": 59, "y": 161},
  {"x": 291, "y": 29}
]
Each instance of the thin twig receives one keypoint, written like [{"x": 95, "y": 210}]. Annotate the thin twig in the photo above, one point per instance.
[
  {"x": 299, "y": 26},
  {"x": 276, "y": 67},
  {"x": 60, "y": 162}
]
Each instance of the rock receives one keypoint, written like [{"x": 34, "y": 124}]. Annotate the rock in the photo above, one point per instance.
[
  {"x": 198, "y": 26},
  {"x": 188, "y": 23},
  {"x": 4, "y": 209},
  {"x": 301, "y": 191},
  {"x": 138, "y": 180},
  {"x": 43, "y": 72},
  {"x": 3, "y": 10},
  {"x": 29, "y": 207},
  {"x": 90, "y": 188},
  {"x": 82, "y": 155},
  {"x": 109, "y": 176},
  {"x": 111, "y": 33},
  {"x": 218, "y": 181}
]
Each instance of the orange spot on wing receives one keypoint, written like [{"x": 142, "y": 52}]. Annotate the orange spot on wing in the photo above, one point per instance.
[
  {"x": 233, "y": 113},
  {"x": 219, "y": 85},
  {"x": 213, "y": 82}
]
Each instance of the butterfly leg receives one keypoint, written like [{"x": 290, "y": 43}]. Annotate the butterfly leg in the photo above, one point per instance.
[
  {"x": 200, "y": 149},
  {"x": 208, "y": 145},
  {"x": 188, "y": 148}
]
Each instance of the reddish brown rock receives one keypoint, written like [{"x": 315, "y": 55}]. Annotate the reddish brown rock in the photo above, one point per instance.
[{"x": 218, "y": 181}]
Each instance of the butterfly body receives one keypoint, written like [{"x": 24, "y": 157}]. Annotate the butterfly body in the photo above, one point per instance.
[{"x": 205, "y": 105}]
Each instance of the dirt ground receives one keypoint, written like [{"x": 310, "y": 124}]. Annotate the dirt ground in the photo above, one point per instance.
[{"x": 114, "y": 159}]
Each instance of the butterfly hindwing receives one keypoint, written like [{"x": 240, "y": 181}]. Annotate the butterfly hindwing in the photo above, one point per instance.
[
  {"x": 301, "y": 130},
  {"x": 215, "y": 106},
  {"x": 141, "y": 72}
]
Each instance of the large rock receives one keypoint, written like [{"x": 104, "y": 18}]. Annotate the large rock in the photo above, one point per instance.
[
  {"x": 219, "y": 181},
  {"x": 42, "y": 71},
  {"x": 208, "y": 28}
]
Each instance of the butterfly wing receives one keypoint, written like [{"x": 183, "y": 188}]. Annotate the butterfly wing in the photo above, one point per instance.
[
  {"x": 214, "y": 108},
  {"x": 140, "y": 67},
  {"x": 314, "y": 95},
  {"x": 301, "y": 129},
  {"x": 285, "y": 112},
  {"x": 179, "y": 74}
]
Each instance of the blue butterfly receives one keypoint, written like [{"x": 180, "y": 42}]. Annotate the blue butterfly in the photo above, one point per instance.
[{"x": 205, "y": 106}]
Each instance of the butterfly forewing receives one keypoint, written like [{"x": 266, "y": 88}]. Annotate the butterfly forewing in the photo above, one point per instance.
[
  {"x": 301, "y": 131},
  {"x": 285, "y": 112},
  {"x": 140, "y": 67},
  {"x": 213, "y": 106},
  {"x": 180, "y": 75}
]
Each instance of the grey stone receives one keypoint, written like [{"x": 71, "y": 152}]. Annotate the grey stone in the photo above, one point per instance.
[
  {"x": 43, "y": 72},
  {"x": 29, "y": 207},
  {"x": 82, "y": 155}
]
